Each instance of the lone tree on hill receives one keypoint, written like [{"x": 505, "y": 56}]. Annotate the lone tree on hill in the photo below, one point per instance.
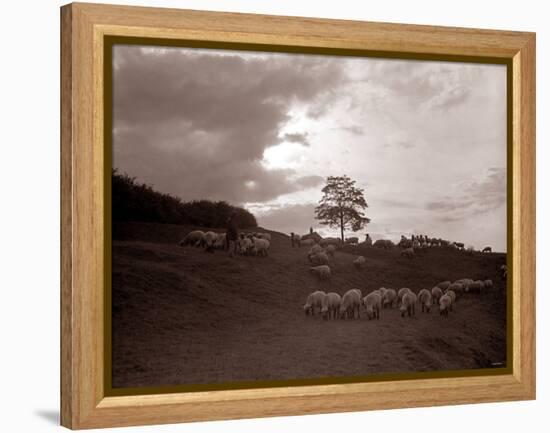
[{"x": 342, "y": 205}]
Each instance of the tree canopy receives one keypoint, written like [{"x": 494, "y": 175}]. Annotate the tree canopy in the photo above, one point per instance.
[{"x": 342, "y": 205}]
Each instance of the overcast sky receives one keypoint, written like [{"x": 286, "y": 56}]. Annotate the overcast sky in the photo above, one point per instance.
[{"x": 426, "y": 140}]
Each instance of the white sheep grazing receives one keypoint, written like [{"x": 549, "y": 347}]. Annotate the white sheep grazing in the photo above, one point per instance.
[
  {"x": 445, "y": 304},
  {"x": 390, "y": 296},
  {"x": 221, "y": 241},
  {"x": 408, "y": 304},
  {"x": 260, "y": 246},
  {"x": 359, "y": 293},
  {"x": 266, "y": 236},
  {"x": 245, "y": 246},
  {"x": 194, "y": 238},
  {"x": 456, "y": 287},
  {"x": 488, "y": 284},
  {"x": 314, "y": 300},
  {"x": 209, "y": 240},
  {"x": 444, "y": 285},
  {"x": 306, "y": 242},
  {"x": 351, "y": 302},
  {"x": 322, "y": 272},
  {"x": 315, "y": 249},
  {"x": 475, "y": 286},
  {"x": 437, "y": 293},
  {"x": 452, "y": 295},
  {"x": 331, "y": 305},
  {"x": 330, "y": 250},
  {"x": 408, "y": 252},
  {"x": 465, "y": 283},
  {"x": 359, "y": 262},
  {"x": 331, "y": 241},
  {"x": 373, "y": 303},
  {"x": 401, "y": 293},
  {"x": 319, "y": 259},
  {"x": 425, "y": 299}
]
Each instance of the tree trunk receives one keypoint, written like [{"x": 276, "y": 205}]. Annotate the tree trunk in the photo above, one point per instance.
[{"x": 342, "y": 228}]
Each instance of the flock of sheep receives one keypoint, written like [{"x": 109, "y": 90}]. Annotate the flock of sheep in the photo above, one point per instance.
[
  {"x": 333, "y": 306},
  {"x": 249, "y": 244}
]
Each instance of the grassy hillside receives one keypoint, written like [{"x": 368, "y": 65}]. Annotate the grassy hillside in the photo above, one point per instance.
[{"x": 181, "y": 315}]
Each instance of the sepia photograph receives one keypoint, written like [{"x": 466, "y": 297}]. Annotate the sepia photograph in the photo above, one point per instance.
[{"x": 282, "y": 217}]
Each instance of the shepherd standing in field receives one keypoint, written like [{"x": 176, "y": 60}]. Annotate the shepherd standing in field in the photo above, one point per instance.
[{"x": 232, "y": 234}]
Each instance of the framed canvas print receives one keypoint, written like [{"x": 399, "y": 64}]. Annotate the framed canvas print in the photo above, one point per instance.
[{"x": 267, "y": 216}]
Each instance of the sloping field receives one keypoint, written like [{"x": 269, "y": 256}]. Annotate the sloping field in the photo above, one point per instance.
[{"x": 183, "y": 316}]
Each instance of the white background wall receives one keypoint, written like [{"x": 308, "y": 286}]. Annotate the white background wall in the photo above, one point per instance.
[{"x": 29, "y": 216}]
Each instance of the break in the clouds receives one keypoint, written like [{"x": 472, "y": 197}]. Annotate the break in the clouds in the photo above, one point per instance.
[{"x": 426, "y": 140}]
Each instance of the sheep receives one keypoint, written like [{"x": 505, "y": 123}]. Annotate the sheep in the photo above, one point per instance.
[
  {"x": 404, "y": 242},
  {"x": 390, "y": 296},
  {"x": 306, "y": 242},
  {"x": 295, "y": 240},
  {"x": 408, "y": 252},
  {"x": 331, "y": 305},
  {"x": 331, "y": 241},
  {"x": 359, "y": 262},
  {"x": 437, "y": 293},
  {"x": 322, "y": 272},
  {"x": 383, "y": 243},
  {"x": 382, "y": 291},
  {"x": 330, "y": 250},
  {"x": 487, "y": 250},
  {"x": 475, "y": 286},
  {"x": 408, "y": 304},
  {"x": 401, "y": 293},
  {"x": 315, "y": 249},
  {"x": 351, "y": 302},
  {"x": 488, "y": 284},
  {"x": 266, "y": 236},
  {"x": 445, "y": 304},
  {"x": 314, "y": 300},
  {"x": 425, "y": 298},
  {"x": 465, "y": 283},
  {"x": 208, "y": 241},
  {"x": 456, "y": 287},
  {"x": 260, "y": 246},
  {"x": 416, "y": 245},
  {"x": 221, "y": 241},
  {"x": 358, "y": 291},
  {"x": 194, "y": 238},
  {"x": 444, "y": 285},
  {"x": 373, "y": 302},
  {"x": 352, "y": 241},
  {"x": 320, "y": 258},
  {"x": 452, "y": 294},
  {"x": 245, "y": 246}
]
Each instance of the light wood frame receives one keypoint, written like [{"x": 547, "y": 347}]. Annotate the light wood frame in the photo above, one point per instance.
[{"x": 83, "y": 400}]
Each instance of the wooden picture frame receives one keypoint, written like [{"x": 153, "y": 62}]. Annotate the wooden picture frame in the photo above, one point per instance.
[{"x": 84, "y": 27}]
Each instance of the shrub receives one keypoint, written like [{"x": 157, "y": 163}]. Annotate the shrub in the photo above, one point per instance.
[{"x": 133, "y": 201}]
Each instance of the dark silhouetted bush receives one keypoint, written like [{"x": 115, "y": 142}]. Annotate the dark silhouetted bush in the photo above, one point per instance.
[{"x": 133, "y": 201}]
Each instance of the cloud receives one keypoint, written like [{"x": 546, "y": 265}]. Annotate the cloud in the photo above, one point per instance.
[
  {"x": 353, "y": 129},
  {"x": 297, "y": 218},
  {"x": 421, "y": 84},
  {"x": 474, "y": 197},
  {"x": 301, "y": 138},
  {"x": 196, "y": 124}
]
